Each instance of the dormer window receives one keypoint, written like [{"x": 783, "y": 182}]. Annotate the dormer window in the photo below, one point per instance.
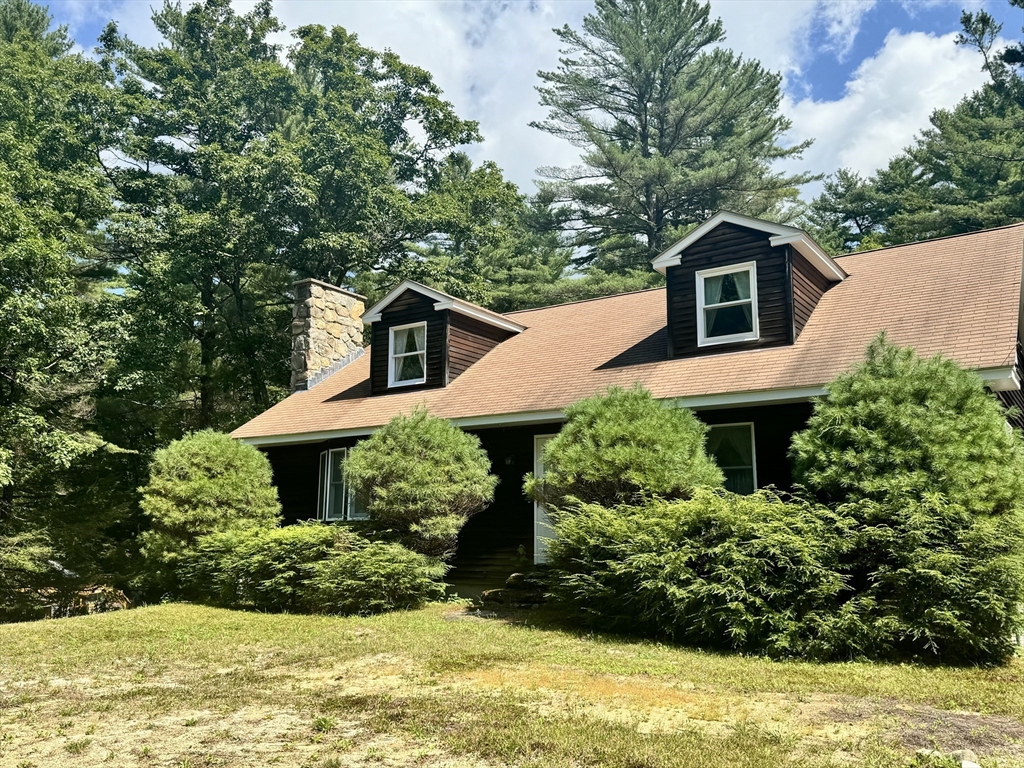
[
  {"x": 727, "y": 304},
  {"x": 407, "y": 355}
]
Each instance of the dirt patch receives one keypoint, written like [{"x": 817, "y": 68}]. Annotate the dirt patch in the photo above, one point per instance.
[{"x": 924, "y": 727}]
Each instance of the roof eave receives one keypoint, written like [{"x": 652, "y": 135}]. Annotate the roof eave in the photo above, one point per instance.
[{"x": 442, "y": 301}]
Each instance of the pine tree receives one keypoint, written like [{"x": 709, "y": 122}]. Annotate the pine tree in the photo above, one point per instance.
[{"x": 671, "y": 128}]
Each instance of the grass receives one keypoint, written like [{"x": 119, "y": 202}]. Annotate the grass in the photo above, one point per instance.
[{"x": 183, "y": 685}]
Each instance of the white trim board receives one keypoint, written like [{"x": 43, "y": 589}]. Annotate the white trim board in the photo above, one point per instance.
[
  {"x": 999, "y": 379},
  {"x": 443, "y": 301},
  {"x": 781, "y": 234}
]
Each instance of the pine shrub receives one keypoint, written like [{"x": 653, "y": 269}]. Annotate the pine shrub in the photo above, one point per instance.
[
  {"x": 623, "y": 447},
  {"x": 203, "y": 483},
  {"x": 423, "y": 478},
  {"x": 720, "y": 570},
  {"x": 307, "y": 568},
  {"x": 918, "y": 459}
]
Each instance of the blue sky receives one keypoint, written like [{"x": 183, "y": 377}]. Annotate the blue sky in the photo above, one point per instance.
[{"x": 860, "y": 76}]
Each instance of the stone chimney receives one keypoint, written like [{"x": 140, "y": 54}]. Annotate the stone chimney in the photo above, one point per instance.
[{"x": 327, "y": 331}]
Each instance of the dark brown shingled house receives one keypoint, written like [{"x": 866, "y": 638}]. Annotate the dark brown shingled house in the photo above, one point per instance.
[{"x": 753, "y": 321}]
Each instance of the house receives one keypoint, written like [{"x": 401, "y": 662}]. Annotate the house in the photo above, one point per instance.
[{"x": 754, "y": 319}]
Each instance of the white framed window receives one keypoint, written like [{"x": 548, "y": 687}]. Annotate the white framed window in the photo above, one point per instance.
[
  {"x": 407, "y": 355},
  {"x": 727, "y": 304},
  {"x": 732, "y": 446},
  {"x": 336, "y": 500}
]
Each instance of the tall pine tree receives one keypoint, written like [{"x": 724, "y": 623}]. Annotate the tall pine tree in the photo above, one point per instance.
[{"x": 671, "y": 128}]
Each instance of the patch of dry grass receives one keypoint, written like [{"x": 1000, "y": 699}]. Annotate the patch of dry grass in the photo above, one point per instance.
[{"x": 184, "y": 686}]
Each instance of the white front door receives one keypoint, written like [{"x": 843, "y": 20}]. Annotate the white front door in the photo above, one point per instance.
[{"x": 542, "y": 530}]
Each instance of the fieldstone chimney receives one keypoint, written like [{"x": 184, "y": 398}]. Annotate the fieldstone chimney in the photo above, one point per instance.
[{"x": 327, "y": 331}]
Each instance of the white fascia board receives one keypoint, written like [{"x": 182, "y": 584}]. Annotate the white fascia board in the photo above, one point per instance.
[
  {"x": 1003, "y": 379},
  {"x": 670, "y": 256},
  {"x": 441, "y": 301},
  {"x": 811, "y": 251},
  {"x": 484, "y": 317},
  {"x": 467, "y": 422},
  {"x": 373, "y": 314},
  {"x": 1000, "y": 379}
]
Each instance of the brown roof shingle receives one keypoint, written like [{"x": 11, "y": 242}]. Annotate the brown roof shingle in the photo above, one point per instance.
[{"x": 957, "y": 295}]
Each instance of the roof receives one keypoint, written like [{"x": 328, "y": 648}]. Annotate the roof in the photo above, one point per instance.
[
  {"x": 782, "y": 234},
  {"x": 443, "y": 301},
  {"x": 959, "y": 296}
]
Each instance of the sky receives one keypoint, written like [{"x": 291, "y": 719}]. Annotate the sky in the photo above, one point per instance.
[{"x": 860, "y": 77}]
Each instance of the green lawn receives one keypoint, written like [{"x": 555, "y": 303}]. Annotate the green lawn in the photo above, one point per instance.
[{"x": 186, "y": 686}]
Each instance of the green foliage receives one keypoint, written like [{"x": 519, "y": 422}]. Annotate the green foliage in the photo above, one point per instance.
[
  {"x": 375, "y": 577},
  {"x": 25, "y": 571},
  {"x": 672, "y": 128},
  {"x": 204, "y": 483},
  {"x": 307, "y": 568},
  {"x": 918, "y": 457},
  {"x": 720, "y": 570},
  {"x": 423, "y": 478},
  {"x": 624, "y": 447},
  {"x": 931, "y": 582},
  {"x": 898, "y": 425}
]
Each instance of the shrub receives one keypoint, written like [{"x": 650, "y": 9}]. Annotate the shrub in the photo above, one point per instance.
[
  {"x": 202, "y": 484},
  {"x": 899, "y": 425},
  {"x": 375, "y": 577},
  {"x": 624, "y": 447},
  {"x": 26, "y": 573},
  {"x": 309, "y": 568},
  {"x": 423, "y": 478},
  {"x": 919, "y": 460},
  {"x": 258, "y": 568},
  {"x": 931, "y": 582},
  {"x": 724, "y": 571}
]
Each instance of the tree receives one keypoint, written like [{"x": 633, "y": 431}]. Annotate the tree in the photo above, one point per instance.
[
  {"x": 917, "y": 457},
  {"x": 423, "y": 477},
  {"x": 54, "y": 323},
  {"x": 623, "y": 447},
  {"x": 671, "y": 128}
]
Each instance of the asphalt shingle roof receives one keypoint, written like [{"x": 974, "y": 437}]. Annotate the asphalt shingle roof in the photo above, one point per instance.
[{"x": 959, "y": 296}]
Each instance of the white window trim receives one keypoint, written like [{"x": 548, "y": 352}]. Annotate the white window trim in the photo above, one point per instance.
[
  {"x": 754, "y": 334},
  {"x": 542, "y": 529},
  {"x": 753, "y": 444},
  {"x": 392, "y": 357},
  {"x": 324, "y": 493}
]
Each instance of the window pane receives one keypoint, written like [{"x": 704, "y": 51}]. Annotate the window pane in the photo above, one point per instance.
[
  {"x": 731, "y": 287},
  {"x": 358, "y": 505},
  {"x": 728, "y": 320},
  {"x": 336, "y": 488},
  {"x": 739, "y": 480},
  {"x": 410, "y": 340},
  {"x": 409, "y": 368},
  {"x": 733, "y": 450}
]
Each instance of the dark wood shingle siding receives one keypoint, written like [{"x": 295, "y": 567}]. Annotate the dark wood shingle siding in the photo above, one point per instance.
[
  {"x": 809, "y": 285},
  {"x": 468, "y": 341},
  {"x": 410, "y": 307},
  {"x": 729, "y": 244}
]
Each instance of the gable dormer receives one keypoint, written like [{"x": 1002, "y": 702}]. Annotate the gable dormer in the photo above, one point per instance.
[
  {"x": 421, "y": 338},
  {"x": 738, "y": 283}
]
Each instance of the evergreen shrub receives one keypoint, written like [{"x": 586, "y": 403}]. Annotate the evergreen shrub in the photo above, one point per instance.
[
  {"x": 423, "y": 478},
  {"x": 720, "y": 570},
  {"x": 308, "y": 568},
  {"x": 203, "y": 483},
  {"x": 920, "y": 461},
  {"x": 623, "y": 447}
]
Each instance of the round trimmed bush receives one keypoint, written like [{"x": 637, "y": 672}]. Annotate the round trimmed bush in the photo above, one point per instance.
[
  {"x": 423, "y": 478},
  {"x": 203, "y": 483},
  {"x": 624, "y": 447}
]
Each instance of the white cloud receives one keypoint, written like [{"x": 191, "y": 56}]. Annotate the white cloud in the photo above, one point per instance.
[
  {"x": 485, "y": 54},
  {"x": 886, "y": 102}
]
